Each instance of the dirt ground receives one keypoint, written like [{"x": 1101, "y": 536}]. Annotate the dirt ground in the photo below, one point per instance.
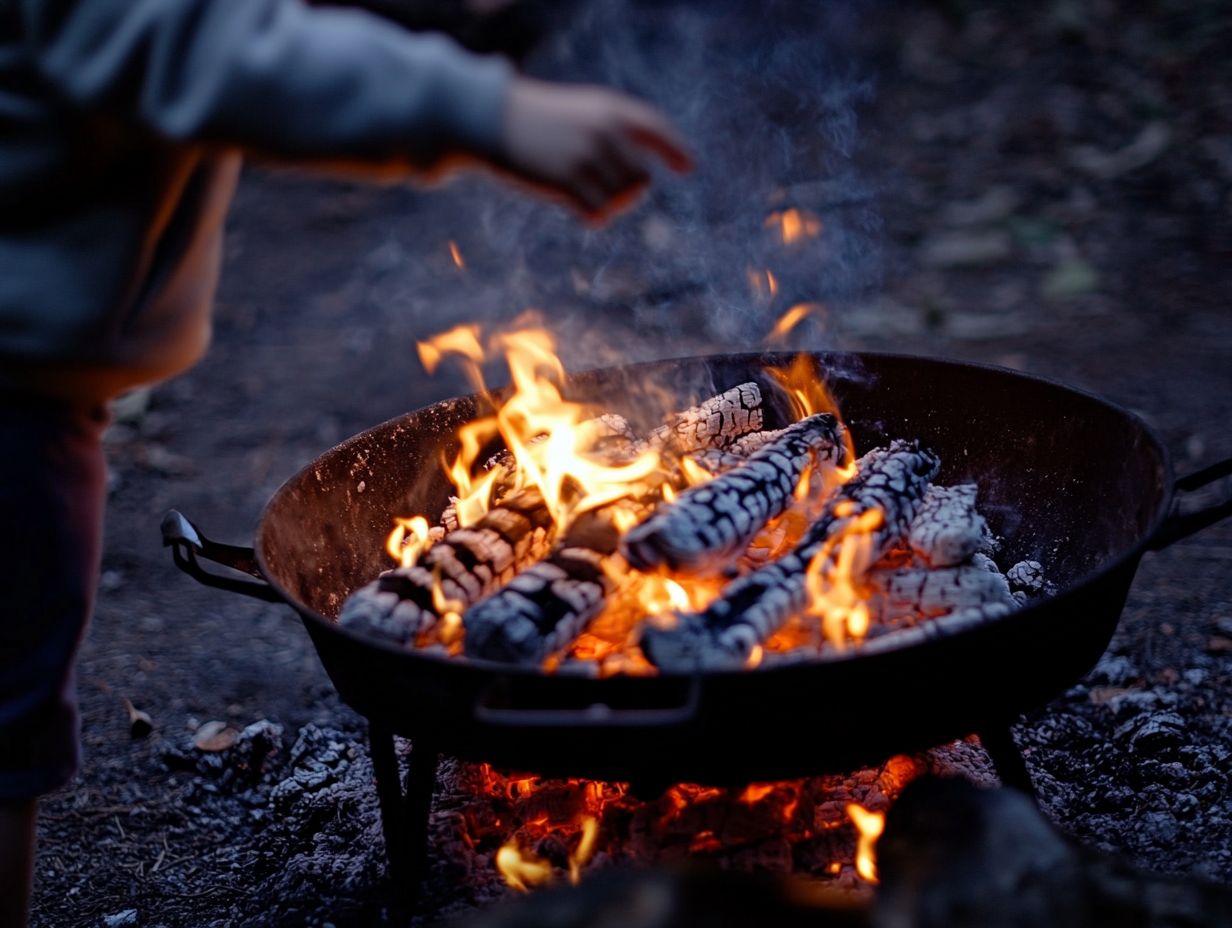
[{"x": 1053, "y": 194}]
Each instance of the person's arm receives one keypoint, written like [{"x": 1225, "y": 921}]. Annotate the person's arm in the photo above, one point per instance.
[
  {"x": 273, "y": 76},
  {"x": 321, "y": 84}
]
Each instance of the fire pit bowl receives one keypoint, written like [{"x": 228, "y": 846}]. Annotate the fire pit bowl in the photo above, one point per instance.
[{"x": 1064, "y": 477}]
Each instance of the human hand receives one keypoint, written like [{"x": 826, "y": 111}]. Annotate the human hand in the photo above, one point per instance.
[{"x": 588, "y": 145}]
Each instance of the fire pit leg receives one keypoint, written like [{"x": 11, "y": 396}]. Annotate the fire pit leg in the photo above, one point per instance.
[
  {"x": 1011, "y": 768},
  {"x": 404, "y": 813}
]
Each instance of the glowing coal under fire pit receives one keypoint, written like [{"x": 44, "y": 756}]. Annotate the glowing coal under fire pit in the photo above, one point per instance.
[{"x": 1063, "y": 478}]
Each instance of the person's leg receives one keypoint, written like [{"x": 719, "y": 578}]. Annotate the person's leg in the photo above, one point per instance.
[
  {"x": 16, "y": 860},
  {"x": 52, "y": 489}
]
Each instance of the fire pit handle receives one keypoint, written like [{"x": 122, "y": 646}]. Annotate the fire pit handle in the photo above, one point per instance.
[
  {"x": 1180, "y": 525},
  {"x": 187, "y": 544},
  {"x": 598, "y": 715}
]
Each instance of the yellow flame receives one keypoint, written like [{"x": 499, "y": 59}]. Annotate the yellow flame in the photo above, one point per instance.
[
  {"x": 408, "y": 540},
  {"x": 794, "y": 224},
  {"x": 549, "y": 437},
  {"x": 457, "y": 256},
  {"x": 522, "y": 869},
  {"x": 585, "y": 850},
  {"x": 869, "y": 826}
]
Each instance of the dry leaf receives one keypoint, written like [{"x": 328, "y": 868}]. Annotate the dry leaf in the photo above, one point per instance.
[
  {"x": 214, "y": 737},
  {"x": 1102, "y": 695}
]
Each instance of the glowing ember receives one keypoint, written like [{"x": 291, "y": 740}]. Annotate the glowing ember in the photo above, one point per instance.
[
  {"x": 787, "y": 323},
  {"x": 794, "y": 225},
  {"x": 869, "y": 825},
  {"x": 457, "y": 256},
  {"x": 763, "y": 283}
]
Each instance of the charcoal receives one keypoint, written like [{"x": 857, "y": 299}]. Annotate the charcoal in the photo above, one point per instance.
[{"x": 902, "y": 594}]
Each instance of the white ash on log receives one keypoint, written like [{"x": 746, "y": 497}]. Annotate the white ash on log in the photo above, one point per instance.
[
  {"x": 747, "y": 444},
  {"x": 467, "y": 563},
  {"x": 545, "y": 607},
  {"x": 891, "y": 480},
  {"x": 709, "y": 524},
  {"x": 900, "y": 596},
  {"x": 716, "y": 423},
  {"x": 948, "y": 529}
]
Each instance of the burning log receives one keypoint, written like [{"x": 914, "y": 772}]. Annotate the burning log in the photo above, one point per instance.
[
  {"x": 716, "y": 423},
  {"x": 890, "y": 481},
  {"x": 460, "y": 569},
  {"x": 948, "y": 530},
  {"x": 545, "y": 607},
  {"x": 906, "y": 594},
  {"x": 710, "y": 523}
]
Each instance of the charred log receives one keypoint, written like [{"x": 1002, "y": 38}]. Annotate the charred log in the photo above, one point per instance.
[
  {"x": 716, "y": 423},
  {"x": 890, "y": 480},
  {"x": 948, "y": 530},
  {"x": 711, "y": 523},
  {"x": 461, "y": 568},
  {"x": 545, "y": 607}
]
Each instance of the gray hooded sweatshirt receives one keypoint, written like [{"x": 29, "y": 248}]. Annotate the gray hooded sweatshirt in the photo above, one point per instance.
[{"x": 121, "y": 128}]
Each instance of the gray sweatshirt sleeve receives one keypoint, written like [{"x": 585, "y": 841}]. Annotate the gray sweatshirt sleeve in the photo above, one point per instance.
[{"x": 275, "y": 76}]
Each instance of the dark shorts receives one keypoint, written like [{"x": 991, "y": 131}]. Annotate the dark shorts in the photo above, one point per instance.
[{"x": 52, "y": 491}]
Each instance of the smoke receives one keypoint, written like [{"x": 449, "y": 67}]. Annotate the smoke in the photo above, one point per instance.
[{"x": 768, "y": 99}]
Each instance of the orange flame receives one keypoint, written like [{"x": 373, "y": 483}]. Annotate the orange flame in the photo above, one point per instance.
[
  {"x": 833, "y": 574},
  {"x": 869, "y": 826},
  {"x": 793, "y": 225},
  {"x": 809, "y": 395},
  {"x": 790, "y": 319}
]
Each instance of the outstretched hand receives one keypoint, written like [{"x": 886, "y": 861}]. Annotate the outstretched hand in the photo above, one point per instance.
[{"x": 588, "y": 145}]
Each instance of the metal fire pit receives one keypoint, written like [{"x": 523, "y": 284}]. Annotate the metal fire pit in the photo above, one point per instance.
[{"x": 1065, "y": 478}]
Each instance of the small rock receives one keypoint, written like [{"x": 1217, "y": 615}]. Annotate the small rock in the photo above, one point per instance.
[
  {"x": 1160, "y": 734},
  {"x": 124, "y": 919}
]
